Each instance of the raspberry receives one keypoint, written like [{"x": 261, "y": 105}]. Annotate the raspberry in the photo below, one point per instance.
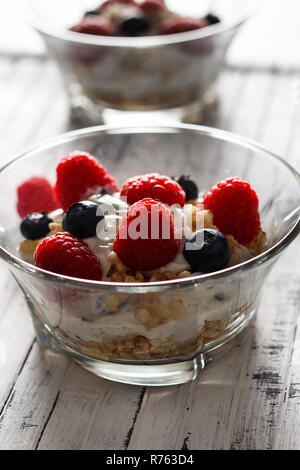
[
  {"x": 94, "y": 25},
  {"x": 65, "y": 254},
  {"x": 153, "y": 185},
  {"x": 234, "y": 205},
  {"x": 79, "y": 175},
  {"x": 181, "y": 25},
  {"x": 146, "y": 238},
  {"x": 35, "y": 195},
  {"x": 150, "y": 6}
]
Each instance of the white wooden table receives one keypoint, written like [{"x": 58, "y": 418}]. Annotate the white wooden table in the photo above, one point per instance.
[{"x": 249, "y": 399}]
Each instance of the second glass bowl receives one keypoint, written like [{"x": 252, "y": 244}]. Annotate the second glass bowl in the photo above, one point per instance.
[{"x": 150, "y": 73}]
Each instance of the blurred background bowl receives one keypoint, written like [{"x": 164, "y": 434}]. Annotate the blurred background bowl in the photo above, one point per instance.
[{"x": 150, "y": 73}]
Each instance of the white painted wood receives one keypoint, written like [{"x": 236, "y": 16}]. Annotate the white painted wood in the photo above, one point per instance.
[
  {"x": 32, "y": 399},
  {"x": 193, "y": 416},
  {"x": 277, "y": 130},
  {"x": 289, "y": 431},
  {"x": 91, "y": 413},
  {"x": 267, "y": 373},
  {"x": 16, "y": 333}
]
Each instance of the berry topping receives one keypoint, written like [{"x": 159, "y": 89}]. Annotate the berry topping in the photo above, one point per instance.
[
  {"x": 212, "y": 19},
  {"x": 181, "y": 25},
  {"x": 65, "y": 254},
  {"x": 189, "y": 186},
  {"x": 83, "y": 218},
  {"x": 93, "y": 25},
  {"x": 79, "y": 175},
  {"x": 155, "y": 186},
  {"x": 35, "y": 225},
  {"x": 134, "y": 26},
  {"x": 207, "y": 251},
  {"x": 150, "y": 6},
  {"x": 35, "y": 195},
  {"x": 234, "y": 205},
  {"x": 146, "y": 238}
]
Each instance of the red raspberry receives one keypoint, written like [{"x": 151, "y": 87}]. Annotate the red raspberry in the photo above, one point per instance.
[
  {"x": 234, "y": 205},
  {"x": 181, "y": 25},
  {"x": 35, "y": 195},
  {"x": 150, "y": 6},
  {"x": 65, "y": 254},
  {"x": 94, "y": 25},
  {"x": 79, "y": 175},
  {"x": 153, "y": 185},
  {"x": 146, "y": 238}
]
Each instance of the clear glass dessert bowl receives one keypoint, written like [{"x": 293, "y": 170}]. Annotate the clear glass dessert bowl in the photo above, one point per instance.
[
  {"x": 152, "y": 333},
  {"x": 104, "y": 73}
]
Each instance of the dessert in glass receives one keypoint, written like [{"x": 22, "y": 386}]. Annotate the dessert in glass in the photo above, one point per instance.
[
  {"x": 144, "y": 269},
  {"x": 150, "y": 55}
]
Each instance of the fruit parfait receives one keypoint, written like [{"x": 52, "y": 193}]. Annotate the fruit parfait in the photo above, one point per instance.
[
  {"x": 151, "y": 78},
  {"x": 154, "y": 230},
  {"x": 143, "y": 55}
]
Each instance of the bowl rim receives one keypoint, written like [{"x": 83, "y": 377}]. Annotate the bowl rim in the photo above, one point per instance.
[
  {"x": 157, "y": 286},
  {"x": 138, "y": 42}
]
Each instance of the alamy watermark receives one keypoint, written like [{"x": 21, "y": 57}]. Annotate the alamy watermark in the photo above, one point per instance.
[{"x": 152, "y": 224}]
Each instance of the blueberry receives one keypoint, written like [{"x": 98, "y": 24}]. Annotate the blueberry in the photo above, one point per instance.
[
  {"x": 82, "y": 219},
  {"x": 189, "y": 186},
  {"x": 134, "y": 26},
  {"x": 35, "y": 225},
  {"x": 207, "y": 251},
  {"x": 212, "y": 19}
]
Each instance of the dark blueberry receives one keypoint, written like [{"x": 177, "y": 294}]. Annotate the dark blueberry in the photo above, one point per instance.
[
  {"x": 189, "y": 186},
  {"x": 92, "y": 13},
  {"x": 134, "y": 26},
  {"x": 82, "y": 219},
  {"x": 35, "y": 225},
  {"x": 207, "y": 251},
  {"x": 212, "y": 19}
]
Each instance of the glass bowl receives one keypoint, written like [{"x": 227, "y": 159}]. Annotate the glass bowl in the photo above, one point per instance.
[
  {"x": 157, "y": 333},
  {"x": 105, "y": 74}
]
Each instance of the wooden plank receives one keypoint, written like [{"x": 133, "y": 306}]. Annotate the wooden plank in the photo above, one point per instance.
[
  {"x": 91, "y": 413},
  {"x": 267, "y": 378},
  {"x": 18, "y": 87},
  {"x": 277, "y": 129},
  {"x": 192, "y": 416},
  {"x": 32, "y": 399},
  {"x": 39, "y": 101},
  {"x": 288, "y": 433},
  {"x": 264, "y": 384},
  {"x": 15, "y": 329}
]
